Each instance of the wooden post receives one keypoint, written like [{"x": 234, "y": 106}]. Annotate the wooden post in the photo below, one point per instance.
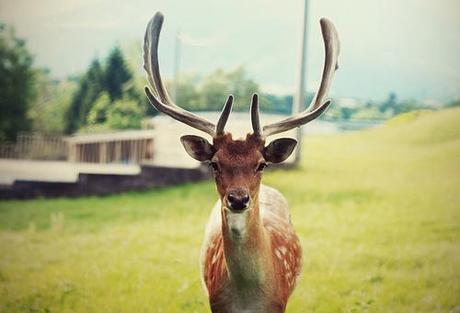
[
  {"x": 103, "y": 152},
  {"x": 117, "y": 151},
  {"x": 136, "y": 151}
]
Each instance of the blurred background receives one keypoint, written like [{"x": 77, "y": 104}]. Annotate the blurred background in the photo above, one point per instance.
[{"x": 116, "y": 209}]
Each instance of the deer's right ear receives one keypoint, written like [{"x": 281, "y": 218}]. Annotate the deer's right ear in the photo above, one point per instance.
[{"x": 197, "y": 147}]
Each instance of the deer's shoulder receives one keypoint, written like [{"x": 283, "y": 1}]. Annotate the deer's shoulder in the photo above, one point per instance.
[{"x": 272, "y": 202}]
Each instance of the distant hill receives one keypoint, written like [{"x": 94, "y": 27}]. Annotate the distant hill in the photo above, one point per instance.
[{"x": 423, "y": 126}]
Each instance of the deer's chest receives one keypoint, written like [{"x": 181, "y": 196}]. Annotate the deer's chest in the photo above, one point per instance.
[{"x": 225, "y": 297}]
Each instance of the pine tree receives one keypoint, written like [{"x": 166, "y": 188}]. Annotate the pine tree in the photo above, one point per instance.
[
  {"x": 17, "y": 84},
  {"x": 117, "y": 74},
  {"x": 91, "y": 86}
]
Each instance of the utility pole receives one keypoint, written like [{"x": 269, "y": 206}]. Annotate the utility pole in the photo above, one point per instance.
[{"x": 299, "y": 98}]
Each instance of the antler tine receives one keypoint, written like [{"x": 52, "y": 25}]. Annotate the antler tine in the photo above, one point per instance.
[
  {"x": 319, "y": 103},
  {"x": 224, "y": 115},
  {"x": 332, "y": 50},
  {"x": 158, "y": 96},
  {"x": 151, "y": 64},
  {"x": 255, "y": 118},
  {"x": 181, "y": 115}
]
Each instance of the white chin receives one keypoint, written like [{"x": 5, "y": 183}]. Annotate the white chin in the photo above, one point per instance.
[{"x": 236, "y": 222}]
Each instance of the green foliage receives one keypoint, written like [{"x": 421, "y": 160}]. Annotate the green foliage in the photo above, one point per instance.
[
  {"x": 454, "y": 103},
  {"x": 17, "y": 84},
  {"x": 124, "y": 114},
  {"x": 48, "y": 112},
  {"x": 377, "y": 213},
  {"x": 366, "y": 113},
  {"x": 276, "y": 104},
  {"x": 210, "y": 92},
  {"x": 374, "y": 110},
  {"x": 98, "y": 113},
  {"x": 100, "y": 89},
  {"x": 95, "y": 129},
  {"x": 219, "y": 84},
  {"x": 134, "y": 62},
  {"x": 390, "y": 104},
  {"x": 90, "y": 87},
  {"x": 188, "y": 95},
  {"x": 116, "y": 74}
]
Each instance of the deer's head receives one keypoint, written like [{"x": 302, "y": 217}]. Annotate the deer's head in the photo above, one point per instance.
[{"x": 237, "y": 164}]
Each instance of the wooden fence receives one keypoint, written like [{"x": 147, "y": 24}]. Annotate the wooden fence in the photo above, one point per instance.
[
  {"x": 8, "y": 151},
  {"x": 35, "y": 147},
  {"x": 133, "y": 151},
  {"x": 134, "y": 147}
]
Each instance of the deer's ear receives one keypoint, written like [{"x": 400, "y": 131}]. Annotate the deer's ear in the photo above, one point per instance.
[
  {"x": 197, "y": 147},
  {"x": 279, "y": 150}
]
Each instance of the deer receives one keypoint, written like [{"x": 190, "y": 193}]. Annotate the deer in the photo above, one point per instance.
[{"x": 251, "y": 255}]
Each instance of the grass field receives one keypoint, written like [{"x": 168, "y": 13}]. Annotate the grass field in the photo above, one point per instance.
[{"x": 378, "y": 213}]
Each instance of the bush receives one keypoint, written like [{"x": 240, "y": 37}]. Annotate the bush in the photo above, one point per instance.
[{"x": 125, "y": 114}]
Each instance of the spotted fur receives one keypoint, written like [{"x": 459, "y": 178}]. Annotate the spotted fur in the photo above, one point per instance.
[{"x": 283, "y": 264}]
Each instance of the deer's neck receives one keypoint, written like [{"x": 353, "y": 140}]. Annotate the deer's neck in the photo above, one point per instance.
[{"x": 246, "y": 248}]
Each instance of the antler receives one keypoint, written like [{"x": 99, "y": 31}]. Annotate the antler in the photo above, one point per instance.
[
  {"x": 319, "y": 103},
  {"x": 158, "y": 95}
]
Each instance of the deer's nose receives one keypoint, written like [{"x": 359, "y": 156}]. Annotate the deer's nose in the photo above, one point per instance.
[{"x": 238, "y": 199}]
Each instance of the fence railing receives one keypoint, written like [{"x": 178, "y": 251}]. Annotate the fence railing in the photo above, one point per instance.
[
  {"x": 35, "y": 147},
  {"x": 8, "y": 151},
  {"x": 122, "y": 147}
]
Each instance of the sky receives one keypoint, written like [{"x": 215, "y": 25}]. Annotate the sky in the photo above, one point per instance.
[{"x": 409, "y": 47}]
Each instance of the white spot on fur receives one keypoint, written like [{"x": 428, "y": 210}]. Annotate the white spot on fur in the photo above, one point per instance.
[
  {"x": 283, "y": 249},
  {"x": 214, "y": 258},
  {"x": 286, "y": 264},
  {"x": 278, "y": 254}
]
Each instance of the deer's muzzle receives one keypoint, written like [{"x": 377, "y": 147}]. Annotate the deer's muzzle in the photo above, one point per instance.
[{"x": 237, "y": 199}]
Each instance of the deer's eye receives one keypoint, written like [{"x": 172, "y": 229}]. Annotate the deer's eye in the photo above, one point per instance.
[
  {"x": 261, "y": 166},
  {"x": 213, "y": 166}
]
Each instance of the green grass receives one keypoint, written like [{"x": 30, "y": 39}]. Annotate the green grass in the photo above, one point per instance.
[{"x": 378, "y": 213}]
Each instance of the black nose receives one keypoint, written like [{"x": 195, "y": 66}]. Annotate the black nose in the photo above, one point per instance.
[{"x": 238, "y": 199}]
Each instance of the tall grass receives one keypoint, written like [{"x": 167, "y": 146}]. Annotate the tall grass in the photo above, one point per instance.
[{"x": 378, "y": 213}]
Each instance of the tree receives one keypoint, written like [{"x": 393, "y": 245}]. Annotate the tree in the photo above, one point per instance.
[
  {"x": 48, "y": 111},
  {"x": 214, "y": 90},
  {"x": 100, "y": 88},
  {"x": 454, "y": 103},
  {"x": 117, "y": 74},
  {"x": 134, "y": 61},
  {"x": 241, "y": 87},
  {"x": 125, "y": 114},
  {"x": 278, "y": 104},
  {"x": 98, "y": 113},
  {"x": 17, "y": 84},
  {"x": 390, "y": 104},
  {"x": 219, "y": 84},
  {"x": 91, "y": 86},
  {"x": 187, "y": 95}
]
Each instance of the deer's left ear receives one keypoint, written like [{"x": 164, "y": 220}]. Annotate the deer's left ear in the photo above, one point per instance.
[
  {"x": 279, "y": 150},
  {"x": 197, "y": 147}
]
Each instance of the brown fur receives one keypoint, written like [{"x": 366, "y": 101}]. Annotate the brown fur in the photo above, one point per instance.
[
  {"x": 238, "y": 161},
  {"x": 271, "y": 246}
]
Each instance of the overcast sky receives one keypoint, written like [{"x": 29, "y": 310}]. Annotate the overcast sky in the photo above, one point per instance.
[{"x": 410, "y": 47}]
